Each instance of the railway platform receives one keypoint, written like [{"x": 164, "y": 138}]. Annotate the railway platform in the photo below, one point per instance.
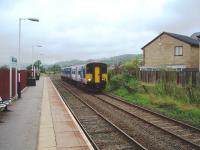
[{"x": 40, "y": 120}]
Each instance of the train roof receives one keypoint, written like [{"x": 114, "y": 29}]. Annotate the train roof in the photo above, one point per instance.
[
  {"x": 65, "y": 67},
  {"x": 83, "y": 64},
  {"x": 96, "y": 62}
]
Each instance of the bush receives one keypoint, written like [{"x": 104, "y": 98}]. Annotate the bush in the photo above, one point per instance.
[
  {"x": 188, "y": 94},
  {"x": 116, "y": 82},
  {"x": 193, "y": 94},
  {"x": 170, "y": 89},
  {"x": 124, "y": 81}
]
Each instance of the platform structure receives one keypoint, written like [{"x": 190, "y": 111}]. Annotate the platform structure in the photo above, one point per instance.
[
  {"x": 58, "y": 128},
  {"x": 19, "y": 125},
  {"x": 40, "y": 120}
]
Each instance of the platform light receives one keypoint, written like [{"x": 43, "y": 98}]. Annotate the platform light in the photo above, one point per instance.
[
  {"x": 33, "y": 72},
  {"x": 19, "y": 49},
  {"x": 33, "y": 19}
]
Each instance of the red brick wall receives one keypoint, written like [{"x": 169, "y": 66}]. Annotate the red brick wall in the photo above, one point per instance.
[
  {"x": 13, "y": 82},
  {"x": 4, "y": 83},
  {"x": 24, "y": 77}
]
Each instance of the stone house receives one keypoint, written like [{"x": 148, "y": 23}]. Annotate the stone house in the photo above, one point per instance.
[{"x": 172, "y": 51}]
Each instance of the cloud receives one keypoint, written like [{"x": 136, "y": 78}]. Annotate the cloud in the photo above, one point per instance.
[
  {"x": 77, "y": 29},
  {"x": 180, "y": 17}
]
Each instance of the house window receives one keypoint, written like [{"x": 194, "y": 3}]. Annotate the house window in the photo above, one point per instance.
[{"x": 178, "y": 51}]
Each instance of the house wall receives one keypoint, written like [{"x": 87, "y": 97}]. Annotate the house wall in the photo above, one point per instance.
[{"x": 162, "y": 51}]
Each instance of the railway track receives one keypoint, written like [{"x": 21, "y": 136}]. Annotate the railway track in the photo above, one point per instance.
[
  {"x": 103, "y": 134},
  {"x": 152, "y": 130},
  {"x": 177, "y": 128}
]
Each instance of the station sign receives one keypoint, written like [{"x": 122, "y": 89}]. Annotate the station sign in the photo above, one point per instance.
[{"x": 13, "y": 61}]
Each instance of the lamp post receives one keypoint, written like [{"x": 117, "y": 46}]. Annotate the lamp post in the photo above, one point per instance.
[
  {"x": 33, "y": 70},
  {"x": 19, "y": 53},
  {"x": 40, "y": 58}
]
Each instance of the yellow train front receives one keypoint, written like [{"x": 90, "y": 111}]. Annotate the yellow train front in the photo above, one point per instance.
[
  {"x": 96, "y": 76},
  {"x": 93, "y": 76}
]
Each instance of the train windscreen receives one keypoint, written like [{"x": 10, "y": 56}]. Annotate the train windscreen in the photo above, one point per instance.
[
  {"x": 90, "y": 67},
  {"x": 103, "y": 68}
]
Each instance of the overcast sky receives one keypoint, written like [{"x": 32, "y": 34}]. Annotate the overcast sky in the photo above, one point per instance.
[{"x": 89, "y": 29}]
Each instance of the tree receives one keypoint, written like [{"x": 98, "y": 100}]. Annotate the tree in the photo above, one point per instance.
[
  {"x": 134, "y": 64},
  {"x": 55, "y": 68},
  {"x": 37, "y": 64}
]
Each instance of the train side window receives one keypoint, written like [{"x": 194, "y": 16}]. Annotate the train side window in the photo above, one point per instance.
[{"x": 79, "y": 72}]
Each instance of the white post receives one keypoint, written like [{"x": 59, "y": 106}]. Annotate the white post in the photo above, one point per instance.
[
  {"x": 10, "y": 81},
  {"x": 19, "y": 57},
  {"x": 34, "y": 71},
  {"x": 19, "y": 48},
  {"x": 19, "y": 77},
  {"x": 37, "y": 65},
  {"x": 16, "y": 82},
  {"x": 32, "y": 62}
]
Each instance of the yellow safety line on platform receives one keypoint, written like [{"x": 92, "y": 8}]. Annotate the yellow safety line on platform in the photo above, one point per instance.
[{"x": 46, "y": 139}]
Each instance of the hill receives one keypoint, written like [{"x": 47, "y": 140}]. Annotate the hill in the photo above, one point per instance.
[{"x": 111, "y": 60}]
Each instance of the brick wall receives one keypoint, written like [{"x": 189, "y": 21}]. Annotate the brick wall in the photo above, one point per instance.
[
  {"x": 161, "y": 51},
  {"x": 24, "y": 77},
  {"x": 5, "y": 82}
]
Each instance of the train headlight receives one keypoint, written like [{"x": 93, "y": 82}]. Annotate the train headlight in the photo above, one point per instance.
[
  {"x": 103, "y": 79},
  {"x": 89, "y": 79}
]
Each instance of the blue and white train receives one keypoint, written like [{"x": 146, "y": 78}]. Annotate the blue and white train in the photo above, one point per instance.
[{"x": 92, "y": 75}]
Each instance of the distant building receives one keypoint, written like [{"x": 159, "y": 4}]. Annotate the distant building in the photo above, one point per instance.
[{"x": 172, "y": 51}]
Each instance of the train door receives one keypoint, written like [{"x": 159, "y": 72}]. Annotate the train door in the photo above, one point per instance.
[{"x": 97, "y": 74}]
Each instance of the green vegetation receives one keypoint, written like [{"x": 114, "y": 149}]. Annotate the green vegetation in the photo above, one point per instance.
[
  {"x": 54, "y": 69},
  {"x": 165, "y": 97},
  {"x": 4, "y": 67},
  {"x": 133, "y": 64},
  {"x": 37, "y": 64}
]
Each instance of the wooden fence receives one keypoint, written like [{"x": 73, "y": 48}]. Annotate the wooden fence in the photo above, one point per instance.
[{"x": 183, "y": 77}]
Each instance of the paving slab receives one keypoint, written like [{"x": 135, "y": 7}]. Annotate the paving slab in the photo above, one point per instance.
[
  {"x": 63, "y": 132},
  {"x": 20, "y": 127}
]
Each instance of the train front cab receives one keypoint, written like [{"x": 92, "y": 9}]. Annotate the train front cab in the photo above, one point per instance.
[{"x": 96, "y": 76}]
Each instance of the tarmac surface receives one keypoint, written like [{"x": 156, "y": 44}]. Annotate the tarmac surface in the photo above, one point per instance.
[{"x": 19, "y": 126}]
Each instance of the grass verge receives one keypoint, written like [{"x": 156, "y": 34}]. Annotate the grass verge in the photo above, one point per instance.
[{"x": 168, "y": 105}]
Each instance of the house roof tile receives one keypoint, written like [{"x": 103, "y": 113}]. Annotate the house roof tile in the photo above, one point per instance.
[{"x": 180, "y": 37}]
